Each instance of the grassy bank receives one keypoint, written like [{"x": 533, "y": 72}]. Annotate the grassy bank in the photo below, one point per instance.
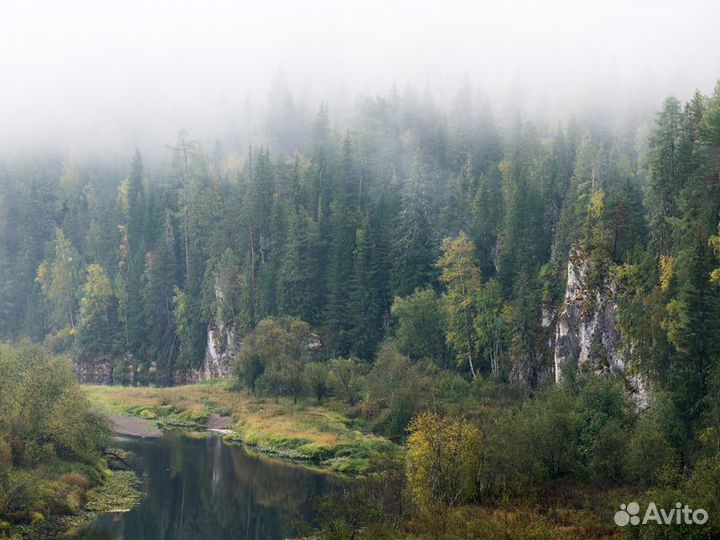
[{"x": 304, "y": 431}]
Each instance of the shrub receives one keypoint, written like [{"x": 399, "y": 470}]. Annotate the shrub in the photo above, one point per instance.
[
  {"x": 700, "y": 490},
  {"x": 649, "y": 451},
  {"x": 442, "y": 461},
  {"x": 400, "y": 388},
  {"x": 346, "y": 379},
  {"x": 273, "y": 357},
  {"x": 45, "y": 421}
]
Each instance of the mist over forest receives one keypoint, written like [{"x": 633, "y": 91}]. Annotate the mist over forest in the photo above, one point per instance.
[
  {"x": 375, "y": 270},
  {"x": 102, "y": 78}
]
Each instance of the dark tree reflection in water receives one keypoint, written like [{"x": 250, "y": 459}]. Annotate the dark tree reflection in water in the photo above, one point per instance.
[{"x": 205, "y": 489}]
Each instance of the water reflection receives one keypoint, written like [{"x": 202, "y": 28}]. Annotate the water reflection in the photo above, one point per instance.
[{"x": 205, "y": 489}]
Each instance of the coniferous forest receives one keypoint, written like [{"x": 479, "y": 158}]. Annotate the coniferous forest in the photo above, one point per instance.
[
  {"x": 427, "y": 229},
  {"x": 415, "y": 313},
  {"x": 428, "y": 254}
]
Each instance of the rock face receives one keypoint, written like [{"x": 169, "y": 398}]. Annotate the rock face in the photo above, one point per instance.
[
  {"x": 94, "y": 371},
  {"x": 220, "y": 349},
  {"x": 102, "y": 370},
  {"x": 585, "y": 330},
  {"x": 221, "y": 346}
]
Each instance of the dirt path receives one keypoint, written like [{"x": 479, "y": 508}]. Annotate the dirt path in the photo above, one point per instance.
[{"x": 136, "y": 427}]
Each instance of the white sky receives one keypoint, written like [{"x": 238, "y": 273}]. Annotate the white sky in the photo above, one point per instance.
[{"x": 89, "y": 70}]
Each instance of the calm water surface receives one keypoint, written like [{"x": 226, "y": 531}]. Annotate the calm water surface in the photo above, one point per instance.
[{"x": 207, "y": 490}]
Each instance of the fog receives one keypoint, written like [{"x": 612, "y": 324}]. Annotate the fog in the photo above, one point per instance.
[{"x": 82, "y": 75}]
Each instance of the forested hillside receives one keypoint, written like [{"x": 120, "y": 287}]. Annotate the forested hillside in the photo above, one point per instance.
[
  {"x": 410, "y": 212},
  {"x": 434, "y": 272}
]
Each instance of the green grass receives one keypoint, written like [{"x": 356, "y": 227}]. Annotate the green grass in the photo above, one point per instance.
[{"x": 318, "y": 434}]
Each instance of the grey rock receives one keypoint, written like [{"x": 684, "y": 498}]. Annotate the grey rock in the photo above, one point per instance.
[{"x": 586, "y": 329}]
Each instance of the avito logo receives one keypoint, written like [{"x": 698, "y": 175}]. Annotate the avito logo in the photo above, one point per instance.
[{"x": 680, "y": 515}]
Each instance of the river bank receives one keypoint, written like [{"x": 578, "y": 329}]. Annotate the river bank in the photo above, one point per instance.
[
  {"x": 319, "y": 435},
  {"x": 133, "y": 427}
]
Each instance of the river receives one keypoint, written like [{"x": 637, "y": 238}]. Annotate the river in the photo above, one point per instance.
[{"x": 205, "y": 489}]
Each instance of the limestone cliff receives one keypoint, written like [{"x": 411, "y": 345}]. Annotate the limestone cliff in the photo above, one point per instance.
[
  {"x": 221, "y": 347},
  {"x": 585, "y": 330}
]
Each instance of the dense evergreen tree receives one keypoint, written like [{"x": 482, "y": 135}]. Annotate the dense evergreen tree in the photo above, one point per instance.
[{"x": 364, "y": 304}]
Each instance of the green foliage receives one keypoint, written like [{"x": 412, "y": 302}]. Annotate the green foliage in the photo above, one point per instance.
[
  {"x": 566, "y": 432},
  {"x": 461, "y": 276},
  {"x": 298, "y": 290},
  {"x": 336, "y": 231},
  {"x": 119, "y": 493},
  {"x": 346, "y": 234},
  {"x": 364, "y": 302},
  {"x": 60, "y": 280},
  {"x": 97, "y": 313},
  {"x": 188, "y": 321},
  {"x": 317, "y": 375},
  {"x": 46, "y": 427},
  {"x": 346, "y": 379},
  {"x": 399, "y": 388},
  {"x": 273, "y": 358},
  {"x": 699, "y": 490},
  {"x": 493, "y": 324},
  {"x": 420, "y": 329}
]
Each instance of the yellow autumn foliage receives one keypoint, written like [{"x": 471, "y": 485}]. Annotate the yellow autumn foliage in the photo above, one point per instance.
[{"x": 442, "y": 460}]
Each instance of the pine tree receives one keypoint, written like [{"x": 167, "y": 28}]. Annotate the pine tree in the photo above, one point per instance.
[
  {"x": 364, "y": 305},
  {"x": 413, "y": 252},
  {"x": 135, "y": 204},
  {"x": 339, "y": 275},
  {"x": 267, "y": 304},
  {"x": 299, "y": 288},
  {"x": 664, "y": 181},
  {"x": 159, "y": 282},
  {"x": 485, "y": 221}
]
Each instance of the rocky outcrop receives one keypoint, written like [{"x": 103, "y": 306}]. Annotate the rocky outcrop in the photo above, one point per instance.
[
  {"x": 94, "y": 371},
  {"x": 585, "y": 330},
  {"x": 125, "y": 370},
  {"x": 221, "y": 346},
  {"x": 220, "y": 349}
]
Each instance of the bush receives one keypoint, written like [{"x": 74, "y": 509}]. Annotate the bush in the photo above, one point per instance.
[
  {"x": 273, "y": 357},
  {"x": 452, "y": 387},
  {"x": 400, "y": 388},
  {"x": 569, "y": 432},
  {"x": 148, "y": 414},
  {"x": 45, "y": 422},
  {"x": 346, "y": 379},
  {"x": 700, "y": 490},
  {"x": 508, "y": 459},
  {"x": 649, "y": 451},
  {"x": 442, "y": 461},
  {"x": 317, "y": 376},
  {"x": 421, "y": 326}
]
